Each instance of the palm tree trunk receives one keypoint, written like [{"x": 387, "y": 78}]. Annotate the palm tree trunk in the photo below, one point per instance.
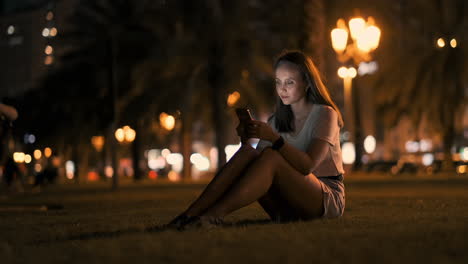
[
  {"x": 448, "y": 140},
  {"x": 136, "y": 150},
  {"x": 315, "y": 31},
  {"x": 218, "y": 109},
  {"x": 187, "y": 119},
  {"x": 216, "y": 76},
  {"x": 76, "y": 157},
  {"x": 186, "y": 144},
  {"x": 112, "y": 80},
  {"x": 357, "y": 133}
]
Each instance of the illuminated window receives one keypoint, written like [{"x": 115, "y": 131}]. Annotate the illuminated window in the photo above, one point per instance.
[
  {"x": 441, "y": 42},
  {"x": 48, "y": 50},
  {"x": 11, "y": 30},
  {"x": 48, "y": 60},
  {"x": 45, "y": 32},
  {"x": 453, "y": 43},
  {"x": 50, "y": 16},
  {"x": 53, "y": 32}
]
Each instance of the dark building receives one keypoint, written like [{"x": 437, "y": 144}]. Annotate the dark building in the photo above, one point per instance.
[{"x": 27, "y": 31}]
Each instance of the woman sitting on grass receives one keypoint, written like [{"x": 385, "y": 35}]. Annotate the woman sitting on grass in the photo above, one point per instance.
[{"x": 296, "y": 171}]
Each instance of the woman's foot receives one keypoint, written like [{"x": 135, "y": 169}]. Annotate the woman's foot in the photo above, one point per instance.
[
  {"x": 178, "y": 221},
  {"x": 201, "y": 222}
]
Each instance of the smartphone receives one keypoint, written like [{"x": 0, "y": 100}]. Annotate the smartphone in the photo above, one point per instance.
[{"x": 243, "y": 114}]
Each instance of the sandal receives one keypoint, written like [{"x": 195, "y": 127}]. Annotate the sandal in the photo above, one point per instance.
[{"x": 203, "y": 222}]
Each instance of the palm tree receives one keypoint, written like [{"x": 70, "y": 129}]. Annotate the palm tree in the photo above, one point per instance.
[
  {"x": 111, "y": 36},
  {"x": 212, "y": 52},
  {"x": 315, "y": 16},
  {"x": 422, "y": 79}
]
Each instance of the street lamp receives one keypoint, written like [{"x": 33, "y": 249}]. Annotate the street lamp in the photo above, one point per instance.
[
  {"x": 365, "y": 38},
  {"x": 98, "y": 142},
  {"x": 125, "y": 134},
  {"x": 167, "y": 121}
]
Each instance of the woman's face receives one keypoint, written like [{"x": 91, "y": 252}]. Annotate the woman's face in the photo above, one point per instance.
[{"x": 290, "y": 85}]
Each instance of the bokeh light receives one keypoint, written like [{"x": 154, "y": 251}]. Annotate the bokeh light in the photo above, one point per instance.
[
  {"x": 427, "y": 159},
  {"x": 462, "y": 169},
  {"x": 453, "y": 43},
  {"x": 165, "y": 152},
  {"x": 348, "y": 153},
  {"x": 48, "y": 60},
  {"x": 11, "y": 30},
  {"x": 48, "y": 50},
  {"x": 201, "y": 162},
  {"x": 18, "y": 157},
  {"x": 27, "y": 158},
  {"x": 167, "y": 121},
  {"x": 93, "y": 176},
  {"x": 176, "y": 160},
  {"x": 412, "y": 146},
  {"x": 49, "y": 16},
  {"x": 45, "y": 32},
  {"x": 464, "y": 154},
  {"x": 173, "y": 176},
  {"x": 37, "y": 154},
  {"x": 70, "y": 169},
  {"x": 230, "y": 150},
  {"x": 109, "y": 171},
  {"x": 440, "y": 42},
  {"x": 129, "y": 134},
  {"x": 47, "y": 152},
  {"x": 98, "y": 142},
  {"x": 370, "y": 144},
  {"x": 339, "y": 39},
  {"x": 153, "y": 175},
  {"x": 53, "y": 32},
  {"x": 37, "y": 167},
  {"x": 233, "y": 98},
  {"x": 120, "y": 135}
]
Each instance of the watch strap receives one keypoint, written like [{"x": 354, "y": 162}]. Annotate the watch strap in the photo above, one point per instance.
[{"x": 278, "y": 143}]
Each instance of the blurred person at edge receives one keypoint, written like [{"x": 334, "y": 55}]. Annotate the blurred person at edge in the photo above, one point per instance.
[
  {"x": 296, "y": 171},
  {"x": 9, "y": 169}
]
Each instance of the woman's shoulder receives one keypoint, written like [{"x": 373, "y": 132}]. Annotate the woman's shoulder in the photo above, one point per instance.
[
  {"x": 325, "y": 113},
  {"x": 323, "y": 109}
]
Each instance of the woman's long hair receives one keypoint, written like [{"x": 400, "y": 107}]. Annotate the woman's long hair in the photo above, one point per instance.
[{"x": 316, "y": 93}]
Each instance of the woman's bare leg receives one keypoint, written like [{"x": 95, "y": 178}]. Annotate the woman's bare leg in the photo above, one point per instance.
[
  {"x": 270, "y": 168},
  {"x": 276, "y": 206},
  {"x": 223, "y": 180}
]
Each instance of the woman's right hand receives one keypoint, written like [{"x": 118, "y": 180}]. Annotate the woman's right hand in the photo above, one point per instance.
[{"x": 241, "y": 132}]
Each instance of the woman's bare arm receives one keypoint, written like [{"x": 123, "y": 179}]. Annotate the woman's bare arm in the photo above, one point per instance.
[{"x": 305, "y": 162}]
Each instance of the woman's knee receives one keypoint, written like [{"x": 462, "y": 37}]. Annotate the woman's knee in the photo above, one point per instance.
[
  {"x": 267, "y": 158},
  {"x": 248, "y": 150},
  {"x": 269, "y": 154}
]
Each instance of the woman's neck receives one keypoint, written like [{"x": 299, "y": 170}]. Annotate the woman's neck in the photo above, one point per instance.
[{"x": 301, "y": 109}]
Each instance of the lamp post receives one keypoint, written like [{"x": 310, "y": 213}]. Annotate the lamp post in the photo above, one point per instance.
[
  {"x": 123, "y": 135},
  {"x": 365, "y": 37}
]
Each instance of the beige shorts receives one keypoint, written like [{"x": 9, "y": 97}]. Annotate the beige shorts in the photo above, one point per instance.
[{"x": 333, "y": 197}]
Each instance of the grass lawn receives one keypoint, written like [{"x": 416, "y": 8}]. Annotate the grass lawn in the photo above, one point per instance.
[{"x": 386, "y": 221}]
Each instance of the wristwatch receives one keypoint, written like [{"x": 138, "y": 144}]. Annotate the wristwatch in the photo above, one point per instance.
[{"x": 278, "y": 143}]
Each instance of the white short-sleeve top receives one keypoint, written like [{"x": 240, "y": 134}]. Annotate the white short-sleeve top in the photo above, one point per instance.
[{"x": 322, "y": 123}]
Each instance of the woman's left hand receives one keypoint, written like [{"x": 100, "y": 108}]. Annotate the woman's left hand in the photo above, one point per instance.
[{"x": 261, "y": 130}]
